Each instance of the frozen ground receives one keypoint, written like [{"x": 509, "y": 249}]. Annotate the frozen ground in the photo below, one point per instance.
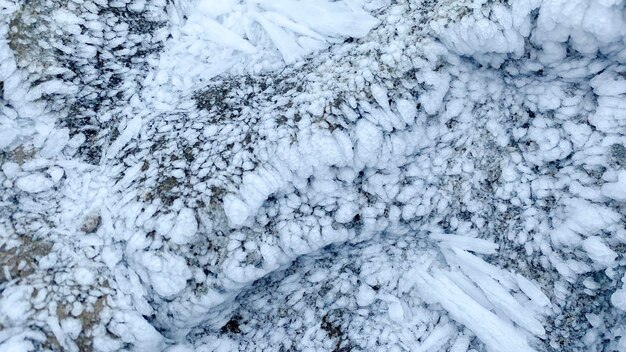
[{"x": 312, "y": 175}]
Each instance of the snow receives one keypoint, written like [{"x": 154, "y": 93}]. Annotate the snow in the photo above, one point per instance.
[
  {"x": 84, "y": 276},
  {"x": 14, "y": 308},
  {"x": 168, "y": 273},
  {"x": 496, "y": 333},
  {"x": 236, "y": 210},
  {"x": 468, "y": 243},
  {"x": 185, "y": 227},
  {"x": 312, "y": 175},
  {"x": 365, "y": 296},
  {"x": 598, "y": 251},
  {"x": 532, "y": 291},
  {"x": 34, "y": 183},
  {"x": 616, "y": 190},
  {"x": 7, "y": 136},
  {"x": 132, "y": 129},
  {"x": 618, "y": 299}
]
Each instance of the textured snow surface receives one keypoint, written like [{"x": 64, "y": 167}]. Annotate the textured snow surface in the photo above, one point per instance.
[{"x": 312, "y": 175}]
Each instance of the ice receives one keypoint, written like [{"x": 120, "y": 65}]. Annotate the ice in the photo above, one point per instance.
[
  {"x": 7, "y": 136},
  {"x": 34, "y": 183},
  {"x": 56, "y": 141},
  {"x": 505, "y": 302},
  {"x": 496, "y": 333},
  {"x": 532, "y": 291},
  {"x": 608, "y": 83},
  {"x": 468, "y": 261},
  {"x": 616, "y": 190},
  {"x": 56, "y": 173},
  {"x": 326, "y": 17},
  {"x": 14, "y": 308},
  {"x": 286, "y": 44},
  {"x": 294, "y": 28},
  {"x": 365, "y": 296},
  {"x": 215, "y": 8},
  {"x": 598, "y": 251},
  {"x": 237, "y": 211},
  {"x": 461, "y": 344},
  {"x": 368, "y": 141},
  {"x": 438, "y": 337},
  {"x": 468, "y": 243},
  {"x": 72, "y": 327},
  {"x": 312, "y": 175},
  {"x": 11, "y": 169},
  {"x": 346, "y": 212},
  {"x": 133, "y": 328},
  {"x": 618, "y": 299},
  {"x": 185, "y": 227},
  {"x": 394, "y": 309},
  {"x": 221, "y": 35},
  {"x": 132, "y": 129},
  {"x": 407, "y": 110},
  {"x": 60, "y": 334},
  {"x": 433, "y": 98},
  {"x": 168, "y": 273},
  {"x": 84, "y": 276},
  {"x": 585, "y": 219},
  {"x": 17, "y": 343}
]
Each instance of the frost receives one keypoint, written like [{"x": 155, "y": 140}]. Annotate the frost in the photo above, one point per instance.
[
  {"x": 618, "y": 299},
  {"x": 312, "y": 175},
  {"x": 236, "y": 210},
  {"x": 34, "y": 183},
  {"x": 168, "y": 273},
  {"x": 84, "y": 276},
  {"x": 616, "y": 190},
  {"x": 185, "y": 227},
  {"x": 497, "y": 334},
  {"x": 598, "y": 251},
  {"x": 365, "y": 296}
]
